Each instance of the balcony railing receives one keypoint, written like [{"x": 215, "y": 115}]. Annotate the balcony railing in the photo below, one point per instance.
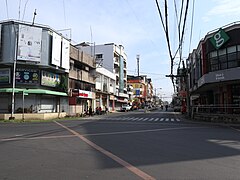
[
  {"x": 81, "y": 75},
  {"x": 81, "y": 56}
]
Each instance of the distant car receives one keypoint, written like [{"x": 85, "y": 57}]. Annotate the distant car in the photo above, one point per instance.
[
  {"x": 126, "y": 107},
  {"x": 177, "y": 108}
]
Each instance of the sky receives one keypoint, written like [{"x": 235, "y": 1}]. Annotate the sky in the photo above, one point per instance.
[{"x": 135, "y": 24}]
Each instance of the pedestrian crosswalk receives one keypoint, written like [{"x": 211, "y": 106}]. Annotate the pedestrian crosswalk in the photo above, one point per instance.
[{"x": 142, "y": 119}]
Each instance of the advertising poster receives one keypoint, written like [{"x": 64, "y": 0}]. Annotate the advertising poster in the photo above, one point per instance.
[
  {"x": 27, "y": 76},
  {"x": 4, "y": 76},
  {"x": 29, "y": 43},
  {"x": 65, "y": 54},
  {"x": 50, "y": 79},
  {"x": 56, "y": 49}
]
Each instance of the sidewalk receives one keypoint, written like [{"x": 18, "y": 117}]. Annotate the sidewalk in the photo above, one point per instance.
[{"x": 224, "y": 124}]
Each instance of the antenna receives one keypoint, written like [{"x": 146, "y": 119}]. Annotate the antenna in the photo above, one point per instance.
[{"x": 34, "y": 14}]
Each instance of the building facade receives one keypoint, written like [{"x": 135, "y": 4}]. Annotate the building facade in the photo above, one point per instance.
[
  {"x": 214, "y": 68},
  {"x": 34, "y": 67},
  {"x": 81, "y": 82},
  {"x": 105, "y": 89},
  {"x": 140, "y": 88},
  {"x": 113, "y": 58}
]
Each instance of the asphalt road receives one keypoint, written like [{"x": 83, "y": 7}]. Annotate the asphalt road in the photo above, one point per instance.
[{"x": 132, "y": 145}]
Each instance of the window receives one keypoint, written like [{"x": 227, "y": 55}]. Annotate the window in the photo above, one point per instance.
[
  {"x": 223, "y": 61},
  {"x": 221, "y": 52},
  {"x": 213, "y": 54},
  {"x": 99, "y": 56},
  {"x": 231, "y": 49}
]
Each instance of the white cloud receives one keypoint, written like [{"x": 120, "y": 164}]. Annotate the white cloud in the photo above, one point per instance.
[{"x": 223, "y": 8}]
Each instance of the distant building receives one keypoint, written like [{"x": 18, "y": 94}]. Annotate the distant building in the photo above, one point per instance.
[{"x": 140, "y": 87}]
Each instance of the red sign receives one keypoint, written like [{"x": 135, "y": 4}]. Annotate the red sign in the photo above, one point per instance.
[{"x": 83, "y": 95}]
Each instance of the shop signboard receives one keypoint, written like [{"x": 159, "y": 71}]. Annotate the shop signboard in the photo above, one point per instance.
[
  {"x": 219, "y": 38},
  {"x": 27, "y": 76},
  {"x": 29, "y": 43},
  {"x": 56, "y": 49},
  {"x": 50, "y": 79},
  {"x": 4, "y": 76}
]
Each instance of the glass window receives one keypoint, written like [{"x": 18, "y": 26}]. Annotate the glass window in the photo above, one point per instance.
[
  {"x": 213, "y": 54},
  {"x": 224, "y": 65},
  {"x": 223, "y": 58},
  {"x": 214, "y": 60},
  {"x": 232, "y": 64},
  {"x": 221, "y": 52},
  {"x": 214, "y": 67},
  {"x": 231, "y": 49},
  {"x": 232, "y": 56}
]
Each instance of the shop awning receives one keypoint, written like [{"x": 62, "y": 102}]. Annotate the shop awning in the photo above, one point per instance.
[{"x": 33, "y": 91}]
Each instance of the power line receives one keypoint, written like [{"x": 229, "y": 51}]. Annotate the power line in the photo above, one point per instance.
[
  {"x": 147, "y": 32},
  {"x": 191, "y": 26},
  {"x": 147, "y": 73},
  {"x": 24, "y": 9},
  {"x": 7, "y": 8}
]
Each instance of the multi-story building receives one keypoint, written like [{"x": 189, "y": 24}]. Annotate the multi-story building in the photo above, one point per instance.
[
  {"x": 140, "y": 87},
  {"x": 105, "y": 89},
  {"x": 214, "y": 68},
  {"x": 34, "y": 66},
  {"x": 81, "y": 81},
  {"x": 113, "y": 58}
]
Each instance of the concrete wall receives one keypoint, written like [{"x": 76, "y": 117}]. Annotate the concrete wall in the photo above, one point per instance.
[{"x": 34, "y": 116}]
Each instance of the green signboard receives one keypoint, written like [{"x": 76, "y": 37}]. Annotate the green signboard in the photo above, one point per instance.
[{"x": 219, "y": 38}]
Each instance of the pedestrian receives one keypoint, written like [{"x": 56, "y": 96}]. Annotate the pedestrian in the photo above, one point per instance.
[
  {"x": 166, "y": 107},
  {"x": 90, "y": 110},
  {"x": 97, "y": 110},
  {"x": 106, "y": 109}
]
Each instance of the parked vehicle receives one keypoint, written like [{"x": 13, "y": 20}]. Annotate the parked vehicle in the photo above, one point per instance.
[{"x": 126, "y": 107}]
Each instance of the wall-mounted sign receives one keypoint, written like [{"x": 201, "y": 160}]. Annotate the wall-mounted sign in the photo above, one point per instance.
[
  {"x": 4, "y": 76},
  {"x": 50, "y": 79},
  {"x": 220, "y": 76},
  {"x": 27, "y": 76},
  {"x": 29, "y": 43},
  {"x": 82, "y": 94},
  {"x": 219, "y": 38},
  {"x": 56, "y": 49},
  {"x": 65, "y": 54}
]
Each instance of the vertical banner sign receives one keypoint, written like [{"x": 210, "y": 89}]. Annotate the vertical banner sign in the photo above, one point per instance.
[
  {"x": 65, "y": 54},
  {"x": 219, "y": 38},
  {"x": 56, "y": 49},
  {"x": 29, "y": 43},
  {"x": 121, "y": 75}
]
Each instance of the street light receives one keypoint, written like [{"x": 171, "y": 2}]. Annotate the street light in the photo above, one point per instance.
[{"x": 155, "y": 92}]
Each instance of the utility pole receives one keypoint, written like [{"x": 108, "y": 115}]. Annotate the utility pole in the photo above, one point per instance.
[
  {"x": 34, "y": 14},
  {"x": 184, "y": 75},
  {"x": 138, "y": 65}
]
